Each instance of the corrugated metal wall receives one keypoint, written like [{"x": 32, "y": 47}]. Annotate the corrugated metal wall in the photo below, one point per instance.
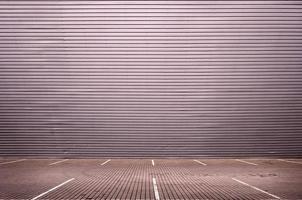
[{"x": 151, "y": 78}]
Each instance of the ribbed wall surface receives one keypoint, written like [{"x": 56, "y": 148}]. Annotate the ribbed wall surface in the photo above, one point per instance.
[{"x": 150, "y": 78}]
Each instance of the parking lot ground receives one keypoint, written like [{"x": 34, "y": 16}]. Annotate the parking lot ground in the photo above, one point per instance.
[{"x": 151, "y": 179}]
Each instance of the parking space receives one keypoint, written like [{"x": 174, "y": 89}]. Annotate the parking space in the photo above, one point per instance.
[
  {"x": 151, "y": 179},
  {"x": 21, "y": 180},
  {"x": 117, "y": 179}
]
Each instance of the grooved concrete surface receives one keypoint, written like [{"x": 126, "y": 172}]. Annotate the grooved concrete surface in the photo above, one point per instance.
[{"x": 140, "y": 179}]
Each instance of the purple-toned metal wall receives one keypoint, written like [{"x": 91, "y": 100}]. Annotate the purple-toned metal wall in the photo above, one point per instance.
[{"x": 150, "y": 78}]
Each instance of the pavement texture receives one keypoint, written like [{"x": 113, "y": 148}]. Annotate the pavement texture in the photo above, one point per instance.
[{"x": 151, "y": 179}]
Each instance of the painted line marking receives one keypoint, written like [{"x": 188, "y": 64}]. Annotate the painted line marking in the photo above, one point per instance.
[
  {"x": 60, "y": 161},
  {"x": 106, "y": 162},
  {"x": 246, "y": 162},
  {"x": 289, "y": 161},
  {"x": 40, "y": 195},
  {"x": 155, "y": 189},
  {"x": 153, "y": 162},
  {"x": 200, "y": 162},
  {"x": 258, "y": 189},
  {"x": 14, "y": 161}
]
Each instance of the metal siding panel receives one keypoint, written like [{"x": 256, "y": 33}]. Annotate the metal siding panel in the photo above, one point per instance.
[{"x": 150, "y": 78}]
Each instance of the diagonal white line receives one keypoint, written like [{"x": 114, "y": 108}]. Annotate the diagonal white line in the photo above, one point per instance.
[
  {"x": 40, "y": 195},
  {"x": 156, "y": 194},
  {"x": 246, "y": 162},
  {"x": 14, "y": 161},
  {"x": 58, "y": 162},
  {"x": 202, "y": 163},
  {"x": 272, "y": 195},
  {"x": 106, "y": 162},
  {"x": 153, "y": 162},
  {"x": 289, "y": 161}
]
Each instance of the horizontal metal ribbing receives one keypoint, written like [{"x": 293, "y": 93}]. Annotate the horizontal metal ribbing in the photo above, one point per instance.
[{"x": 150, "y": 78}]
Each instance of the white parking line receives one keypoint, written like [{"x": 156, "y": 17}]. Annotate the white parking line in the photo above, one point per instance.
[
  {"x": 156, "y": 194},
  {"x": 246, "y": 162},
  {"x": 106, "y": 162},
  {"x": 200, "y": 162},
  {"x": 14, "y": 161},
  {"x": 256, "y": 188},
  {"x": 153, "y": 162},
  {"x": 58, "y": 162},
  {"x": 40, "y": 195},
  {"x": 289, "y": 161}
]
